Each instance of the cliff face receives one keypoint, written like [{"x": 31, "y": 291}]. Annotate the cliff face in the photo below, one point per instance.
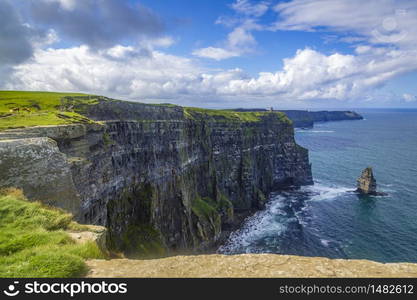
[
  {"x": 306, "y": 119},
  {"x": 157, "y": 176}
]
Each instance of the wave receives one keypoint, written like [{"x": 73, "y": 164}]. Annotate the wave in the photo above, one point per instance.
[
  {"x": 325, "y": 242},
  {"x": 266, "y": 223},
  {"x": 324, "y": 192},
  {"x": 285, "y": 213}
]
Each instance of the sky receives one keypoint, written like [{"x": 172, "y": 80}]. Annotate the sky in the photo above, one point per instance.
[{"x": 215, "y": 53}]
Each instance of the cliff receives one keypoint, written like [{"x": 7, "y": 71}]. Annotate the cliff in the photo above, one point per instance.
[
  {"x": 157, "y": 176},
  {"x": 306, "y": 119}
]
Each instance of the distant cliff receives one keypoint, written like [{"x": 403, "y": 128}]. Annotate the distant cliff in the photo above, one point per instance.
[
  {"x": 303, "y": 118},
  {"x": 306, "y": 119},
  {"x": 158, "y": 176}
]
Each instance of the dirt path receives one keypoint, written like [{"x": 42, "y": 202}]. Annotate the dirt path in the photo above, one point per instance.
[{"x": 247, "y": 265}]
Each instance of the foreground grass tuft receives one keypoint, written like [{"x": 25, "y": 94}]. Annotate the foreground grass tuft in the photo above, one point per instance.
[{"x": 33, "y": 241}]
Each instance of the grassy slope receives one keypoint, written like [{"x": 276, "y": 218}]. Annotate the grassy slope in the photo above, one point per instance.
[
  {"x": 33, "y": 242},
  {"x": 45, "y": 109}
]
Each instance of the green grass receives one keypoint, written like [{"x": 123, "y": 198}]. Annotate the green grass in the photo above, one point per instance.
[
  {"x": 33, "y": 241},
  {"x": 196, "y": 113},
  {"x": 41, "y": 108}
]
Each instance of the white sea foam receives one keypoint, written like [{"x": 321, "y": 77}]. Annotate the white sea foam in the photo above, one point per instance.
[
  {"x": 273, "y": 221},
  {"x": 325, "y": 242},
  {"x": 323, "y": 192},
  {"x": 262, "y": 224}
]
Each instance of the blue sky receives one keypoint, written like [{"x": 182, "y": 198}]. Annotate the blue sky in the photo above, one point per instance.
[
  {"x": 199, "y": 29},
  {"x": 223, "y": 53}
]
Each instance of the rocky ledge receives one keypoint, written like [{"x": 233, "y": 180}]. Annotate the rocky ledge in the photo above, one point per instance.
[{"x": 248, "y": 265}]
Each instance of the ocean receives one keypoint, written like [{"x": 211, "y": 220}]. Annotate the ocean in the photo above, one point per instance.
[{"x": 328, "y": 219}]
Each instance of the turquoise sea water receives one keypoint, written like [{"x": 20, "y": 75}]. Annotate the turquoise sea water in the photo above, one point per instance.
[{"x": 328, "y": 219}]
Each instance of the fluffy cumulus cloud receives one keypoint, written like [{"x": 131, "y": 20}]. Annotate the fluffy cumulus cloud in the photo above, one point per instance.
[
  {"x": 120, "y": 70},
  {"x": 97, "y": 23},
  {"x": 127, "y": 72},
  {"x": 131, "y": 73},
  {"x": 313, "y": 75},
  {"x": 386, "y": 45}
]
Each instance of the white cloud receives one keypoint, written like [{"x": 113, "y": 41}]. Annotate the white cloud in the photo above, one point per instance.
[
  {"x": 381, "y": 31},
  {"x": 409, "y": 98},
  {"x": 163, "y": 42},
  {"x": 115, "y": 72},
  {"x": 65, "y": 4},
  {"x": 248, "y": 8},
  {"x": 379, "y": 21},
  {"x": 215, "y": 53},
  {"x": 239, "y": 41},
  {"x": 124, "y": 72},
  {"x": 313, "y": 75},
  {"x": 361, "y": 49},
  {"x": 309, "y": 74}
]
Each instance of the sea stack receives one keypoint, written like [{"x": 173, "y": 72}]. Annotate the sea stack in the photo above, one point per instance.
[{"x": 366, "y": 183}]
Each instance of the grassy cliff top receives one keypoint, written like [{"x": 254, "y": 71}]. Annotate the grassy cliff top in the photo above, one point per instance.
[
  {"x": 33, "y": 241},
  {"x": 196, "y": 113},
  {"x": 19, "y": 109},
  {"x": 25, "y": 109}
]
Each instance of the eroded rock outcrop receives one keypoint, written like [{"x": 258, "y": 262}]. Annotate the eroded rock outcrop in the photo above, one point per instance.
[
  {"x": 41, "y": 170},
  {"x": 158, "y": 177},
  {"x": 366, "y": 183},
  {"x": 91, "y": 233}
]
